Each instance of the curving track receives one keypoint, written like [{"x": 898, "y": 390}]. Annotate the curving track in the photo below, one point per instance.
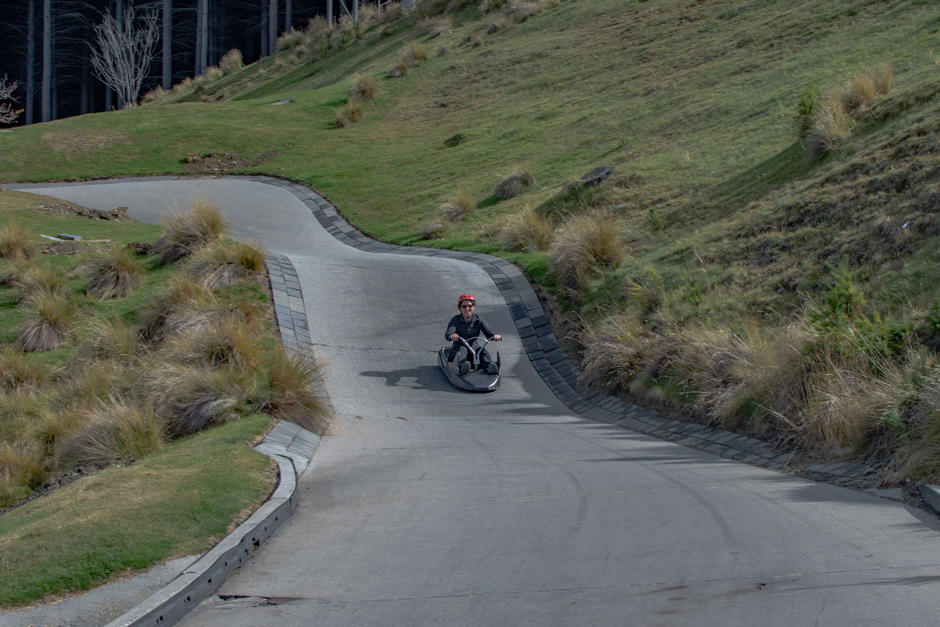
[{"x": 430, "y": 506}]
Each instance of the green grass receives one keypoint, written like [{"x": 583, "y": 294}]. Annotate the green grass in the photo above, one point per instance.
[{"x": 176, "y": 502}]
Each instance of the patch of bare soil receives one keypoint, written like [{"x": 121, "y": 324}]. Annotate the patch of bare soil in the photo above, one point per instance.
[
  {"x": 118, "y": 213},
  {"x": 221, "y": 162}
]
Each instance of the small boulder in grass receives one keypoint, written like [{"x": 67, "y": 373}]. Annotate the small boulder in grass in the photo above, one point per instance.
[
  {"x": 597, "y": 176},
  {"x": 513, "y": 184},
  {"x": 140, "y": 248},
  {"x": 432, "y": 231}
]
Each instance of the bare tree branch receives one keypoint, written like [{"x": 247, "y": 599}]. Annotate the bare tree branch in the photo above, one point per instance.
[
  {"x": 123, "y": 52},
  {"x": 8, "y": 114}
]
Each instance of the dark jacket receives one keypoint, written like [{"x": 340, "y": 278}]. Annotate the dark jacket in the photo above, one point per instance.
[{"x": 468, "y": 330}]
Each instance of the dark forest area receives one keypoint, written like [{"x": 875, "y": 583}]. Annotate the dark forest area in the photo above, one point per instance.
[{"x": 46, "y": 45}]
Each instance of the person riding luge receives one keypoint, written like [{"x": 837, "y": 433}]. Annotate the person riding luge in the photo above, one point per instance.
[{"x": 468, "y": 325}]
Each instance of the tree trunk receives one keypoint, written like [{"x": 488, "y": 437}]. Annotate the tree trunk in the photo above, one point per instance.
[
  {"x": 167, "y": 63},
  {"x": 202, "y": 35},
  {"x": 272, "y": 26},
  {"x": 264, "y": 30},
  {"x": 288, "y": 16},
  {"x": 30, "y": 61},
  {"x": 46, "y": 60}
]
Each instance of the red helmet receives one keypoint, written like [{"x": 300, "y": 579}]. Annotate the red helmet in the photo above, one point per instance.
[{"x": 464, "y": 297}]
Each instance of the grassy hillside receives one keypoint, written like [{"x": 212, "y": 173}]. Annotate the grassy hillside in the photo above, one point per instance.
[{"x": 769, "y": 280}]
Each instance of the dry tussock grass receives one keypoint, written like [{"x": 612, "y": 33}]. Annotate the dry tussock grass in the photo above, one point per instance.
[
  {"x": 187, "y": 232},
  {"x": 192, "y": 398},
  {"x": 224, "y": 341},
  {"x": 184, "y": 304},
  {"x": 22, "y": 469},
  {"x": 294, "y": 385},
  {"x": 583, "y": 245},
  {"x": 48, "y": 324},
  {"x": 102, "y": 340},
  {"x": 231, "y": 61},
  {"x": 18, "y": 372},
  {"x": 20, "y": 410},
  {"x": 457, "y": 206},
  {"x": 112, "y": 272},
  {"x": 16, "y": 242},
  {"x": 115, "y": 431},
  {"x": 527, "y": 231},
  {"x": 223, "y": 264},
  {"x": 835, "y": 118},
  {"x": 616, "y": 351},
  {"x": 349, "y": 114},
  {"x": 364, "y": 88}
]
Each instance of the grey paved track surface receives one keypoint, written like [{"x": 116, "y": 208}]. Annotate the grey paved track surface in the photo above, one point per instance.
[{"x": 431, "y": 506}]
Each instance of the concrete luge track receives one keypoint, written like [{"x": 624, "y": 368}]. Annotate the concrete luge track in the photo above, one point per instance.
[{"x": 431, "y": 506}]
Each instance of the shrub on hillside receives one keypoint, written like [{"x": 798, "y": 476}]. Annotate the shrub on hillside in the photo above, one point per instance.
[
  {"x": 457, "y": 206},
  {"x": 15, "y": 242},
  {"x": 112, "y": 272},
  {"x": 831, "y": 120},
  {"x": 17, "y": 372},
  {"x": 182, "y": 304},
  {"x": 47, "y": 324},
  {"x": 22, "y": 469},
  {"x": 223, "y": 341},
  {"x": 225, "y": 263},
  {"x": 350, "y": 114},
  {"x": 115, "y": 431},
  {"x": 293, "y": 392},
  {"x": 231, "y": 61},
  {"x": 364, "y": 88},
  {"x": 100, "y": 339},
  {"x": 584, "y": 245},
  {"x": 290, "y": 39},
  {"x": 190, "y": 398},
  {"x": 526, "y": 231},
  {"x": 187, "y": 232}
]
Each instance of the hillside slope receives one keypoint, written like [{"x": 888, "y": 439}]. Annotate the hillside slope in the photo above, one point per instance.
[{"x": 722, "y": 269}]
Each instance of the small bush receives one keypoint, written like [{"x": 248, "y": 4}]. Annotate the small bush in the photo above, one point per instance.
[
  {"x": 363, "y": 88},
  {"x": 457, "y": 206},
  {"x": 15, "y": 242},
  {"x": 156, "y": 95},
  {"x": 831, "y": 126},
  {"x": 526, "y": 231},
  {"x": 413, "y": 52},
  {"x": 223, "y": 264},
  {"x": 112, "y": 272},
  {"x": 513, "y": 184},
  {"x": 18, "y": 372},
  {"x": 225, "y": 341},
  {"x": 614, "y": 353},
  {"x": 582, "y": 246},
  {"x": 115, "y": 431},
  {"x": 182, "y": 305},
  {"x": 193, "y": 398},
  {"x": 294, "y": 383},
  {"x": 187, "y": 232},
  {"x": 22, "y": 469},
  {"x": 350, "y": 114},
  {"x": 33, "y": 280},
  {"x": 101, "y": 339},
  {"x": 805, "y": 110},
  {"x": 290, "y": 39},
  {"x": 47, "y": 325},
  {"x": 231, "y": 61}
]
